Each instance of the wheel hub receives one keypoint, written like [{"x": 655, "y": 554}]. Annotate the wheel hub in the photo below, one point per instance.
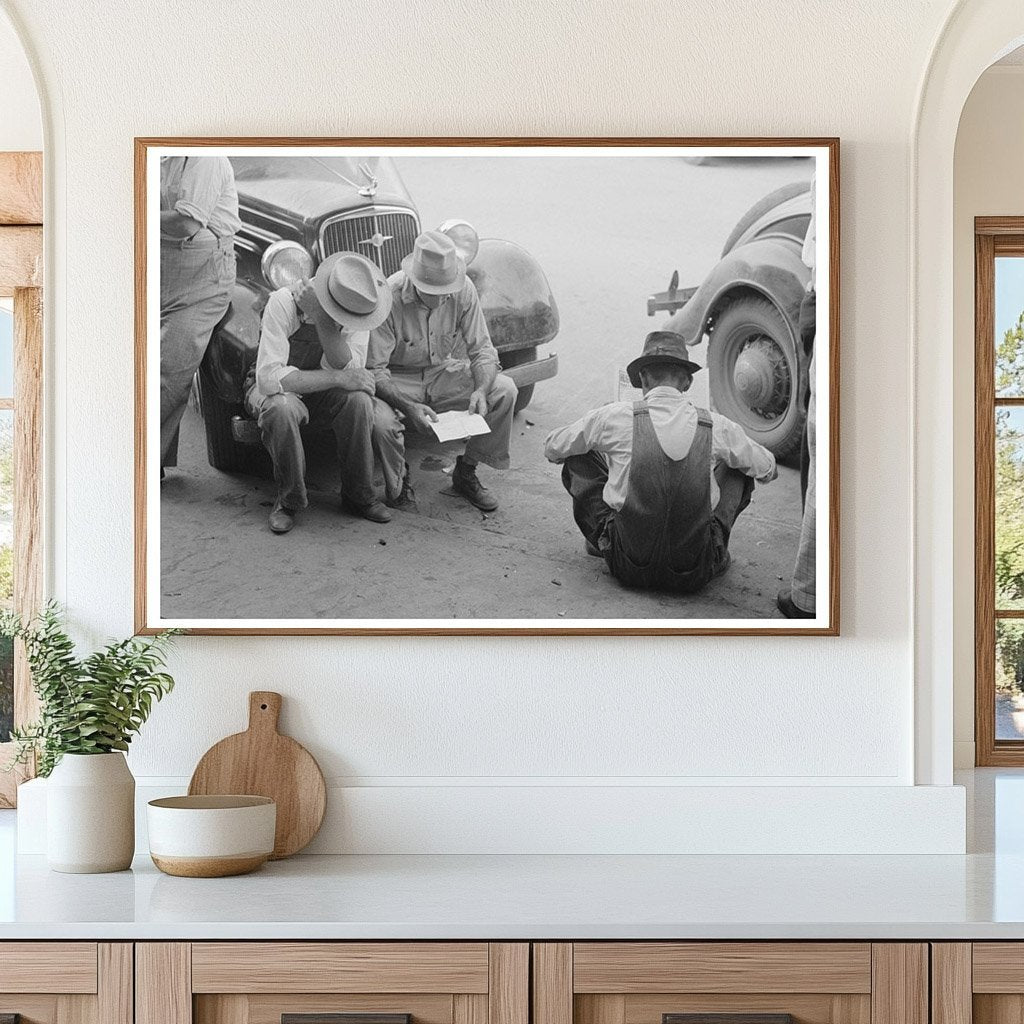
[{"x": 761, "y": 377}]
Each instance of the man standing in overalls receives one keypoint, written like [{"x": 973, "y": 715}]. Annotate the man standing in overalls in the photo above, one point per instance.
[
  {"x": 657, "y": 484},
  {"x": 198, "y": 222}
]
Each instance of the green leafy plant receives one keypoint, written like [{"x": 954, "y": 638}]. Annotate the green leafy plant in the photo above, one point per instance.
[{"x": 90, "y": 705}]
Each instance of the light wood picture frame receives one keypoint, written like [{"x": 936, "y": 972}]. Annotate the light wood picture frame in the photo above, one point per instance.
[{"x": 203, "y": 567}]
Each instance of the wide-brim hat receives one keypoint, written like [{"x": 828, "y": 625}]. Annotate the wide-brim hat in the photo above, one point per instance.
[
  {"x": 661, "y": 347},
  {"x": 434, "y": 266},
  {"x": 353, "y": 291}
]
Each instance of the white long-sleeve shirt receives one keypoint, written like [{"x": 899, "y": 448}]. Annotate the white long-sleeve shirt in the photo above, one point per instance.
[
  {"x": 281, "y": 319},
  {"x": 609, "y": 431}
]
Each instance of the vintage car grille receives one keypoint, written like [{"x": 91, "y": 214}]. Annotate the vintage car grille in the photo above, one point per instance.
[{"x": 385, "y": 236}]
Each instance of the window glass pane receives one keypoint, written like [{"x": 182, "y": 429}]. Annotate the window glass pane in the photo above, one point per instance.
[
  {"x": 1009, "y": 679},
  {"x": 1009, "y": 483},
  {"x": 6, "y": 567},
  {"x": 1009, "y": 320},
  {"x": 6, "y": 351}
]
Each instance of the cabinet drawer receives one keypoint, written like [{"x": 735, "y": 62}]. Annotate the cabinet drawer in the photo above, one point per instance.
[
  {"x": 730, "y": 983},
  {"x": 981, "y": 982},
  {"x": 332, "y": 983},
  {"x": 66, "y": 982}
]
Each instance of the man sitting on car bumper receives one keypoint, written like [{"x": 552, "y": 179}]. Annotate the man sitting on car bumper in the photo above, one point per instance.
[
  {"x": 657, "y": 484},
  {"x": 326, "y": 383},
  {"x": 434, "y": 353}
]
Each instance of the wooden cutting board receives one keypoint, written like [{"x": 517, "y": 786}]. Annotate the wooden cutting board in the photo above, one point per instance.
[{"x": 262, "y": 762}]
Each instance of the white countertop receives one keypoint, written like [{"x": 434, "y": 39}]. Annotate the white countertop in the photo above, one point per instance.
[
  {"x": 517, "y": 897},
  {"x": 977, "y": 896}
]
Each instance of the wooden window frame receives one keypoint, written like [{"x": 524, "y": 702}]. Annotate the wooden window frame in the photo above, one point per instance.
[{"x": 21, "y": 278}]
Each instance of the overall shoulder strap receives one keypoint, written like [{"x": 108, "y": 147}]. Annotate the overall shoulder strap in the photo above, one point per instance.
[
  {"x": 640, "y": 408},
  {"x": 704, "y": 417}
]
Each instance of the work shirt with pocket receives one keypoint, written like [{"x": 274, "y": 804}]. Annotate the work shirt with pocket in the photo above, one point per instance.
[
  {"x": 415, "y": 338},
  {"x": 203, "y": 188},
  {"x": 278, "y": 356},
  {"x": 608, "y": 430}
]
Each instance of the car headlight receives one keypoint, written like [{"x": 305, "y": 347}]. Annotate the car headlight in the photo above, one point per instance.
[
  {"x": 463, "y": 234},
  {"x": 286, "y": 263}
]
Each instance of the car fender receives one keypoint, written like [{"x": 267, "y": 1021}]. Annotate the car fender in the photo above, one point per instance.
[
  {"x": 514, "y": 295},
  {"x": 236, "y": 340},
  {"x": 767, "y": 266}
]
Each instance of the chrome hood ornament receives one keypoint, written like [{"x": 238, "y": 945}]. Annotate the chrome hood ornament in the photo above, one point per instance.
[
  {"x": 377, "y": 240},
  {"x": 369, "y": 190}
]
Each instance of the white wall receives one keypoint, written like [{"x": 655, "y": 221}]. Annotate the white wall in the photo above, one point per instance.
[
  {"x": 21, "y": 127},
  {"x": 988, "y": 180},
  {"x": 457, "y": 712}
]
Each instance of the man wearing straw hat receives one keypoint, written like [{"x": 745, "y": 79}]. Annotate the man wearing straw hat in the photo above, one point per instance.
[
  {"x": 434, "y": 353},
  {"x": 657, "y": 484},
  {"x": 319, "y": 377}
]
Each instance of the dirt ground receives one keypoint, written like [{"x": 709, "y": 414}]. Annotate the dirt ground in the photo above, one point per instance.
[{"x": 606, "y": 239}]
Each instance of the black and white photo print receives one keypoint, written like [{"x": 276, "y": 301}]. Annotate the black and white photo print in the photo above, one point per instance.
[{"x": 488, "y": 386}]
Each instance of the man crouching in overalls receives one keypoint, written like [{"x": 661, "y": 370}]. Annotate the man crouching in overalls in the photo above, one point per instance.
[{"x": 657, "y": 484}]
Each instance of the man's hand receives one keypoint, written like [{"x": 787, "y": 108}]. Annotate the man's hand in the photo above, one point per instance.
[
  {"x": 355, "y": 379},
  {"x": 478, "y": 402},
  {"x": 421, "y": 416},
  {"x": 306, "y": 300}
]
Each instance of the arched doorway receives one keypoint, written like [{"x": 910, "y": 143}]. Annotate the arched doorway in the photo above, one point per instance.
[{"x": 975, "y": 35}]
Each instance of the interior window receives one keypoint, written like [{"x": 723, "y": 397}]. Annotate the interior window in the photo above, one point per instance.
[{"x": 999, "y": 491}]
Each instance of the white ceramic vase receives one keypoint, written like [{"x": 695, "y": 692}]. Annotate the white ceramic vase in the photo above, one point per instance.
[{"x": 90, "y": 814}]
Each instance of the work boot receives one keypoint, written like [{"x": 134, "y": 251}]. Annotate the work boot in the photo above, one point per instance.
[
  {"x": 788, "y": 608},
  {"x": 406, "y": 500},
  {"x": 281, "y": 518},
  {"x": 376, "y": 511},
  {"x": 466, "y": 483}
]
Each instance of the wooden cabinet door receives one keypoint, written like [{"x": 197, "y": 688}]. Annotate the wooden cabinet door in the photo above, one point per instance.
[
  {"x": 978, "y": 983},
  {"x": 66, "y": 982},
  {"x": 730, "y": 983},
  {"x": 332, "y": 983}
]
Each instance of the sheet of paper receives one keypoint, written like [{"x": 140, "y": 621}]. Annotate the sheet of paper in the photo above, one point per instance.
[
  {"x": 455, "y": 426},
  {"x": 623, "y": 389}
]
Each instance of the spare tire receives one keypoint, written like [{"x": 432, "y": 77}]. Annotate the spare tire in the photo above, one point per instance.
[{"x": 755, "y": 375}]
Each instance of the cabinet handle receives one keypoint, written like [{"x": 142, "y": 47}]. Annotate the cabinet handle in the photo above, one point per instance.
[
  {"x": 334, "y": 1018},
  {"x": 727, "y": 1018}
]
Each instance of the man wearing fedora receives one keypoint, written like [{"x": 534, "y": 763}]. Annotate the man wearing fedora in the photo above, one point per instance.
[
  {"x": 311, "y": 369},
  {"x": 657, "y": 484},
  {"x": 434, "y": 353}
]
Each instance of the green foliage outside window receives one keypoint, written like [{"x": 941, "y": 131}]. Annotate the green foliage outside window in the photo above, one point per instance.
[{"x": 1009, "y": 509}]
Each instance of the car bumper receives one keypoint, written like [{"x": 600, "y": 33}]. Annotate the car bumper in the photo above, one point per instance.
[{"x": 529, "y": 373}]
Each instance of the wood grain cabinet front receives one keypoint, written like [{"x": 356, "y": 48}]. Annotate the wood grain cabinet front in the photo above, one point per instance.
[
  {"x": 66, "y": 982},
  {"x": 730, "y": 983},
  {"x": 978, "y": 983},
  {"x": 332, "y": 983}
]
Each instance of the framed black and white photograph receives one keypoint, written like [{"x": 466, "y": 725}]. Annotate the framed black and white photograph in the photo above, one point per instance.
[{"x": 505, "y": 386}]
